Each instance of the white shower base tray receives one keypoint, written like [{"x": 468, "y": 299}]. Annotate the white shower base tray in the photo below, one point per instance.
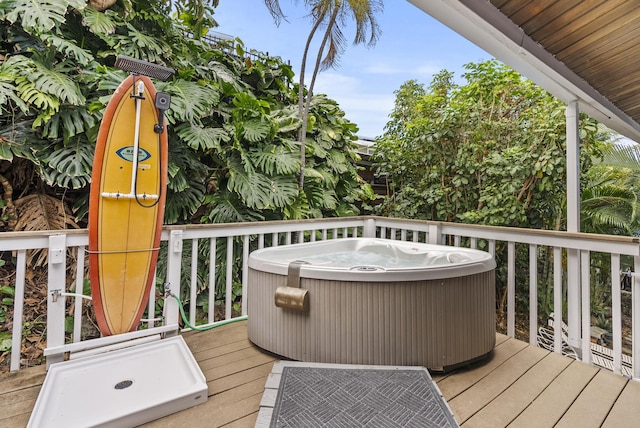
[{"x": 122, "y": 388}]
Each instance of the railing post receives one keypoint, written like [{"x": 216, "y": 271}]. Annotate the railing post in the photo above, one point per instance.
[
  {"x": 56, "y": 287},
  {"x": 174, "y": 264},
  {"x": 573, "y": 223},
  {"x": 369, "y": 228},
  {"x": 635, "y": 316},
  {"x": 435, "y": 234}
]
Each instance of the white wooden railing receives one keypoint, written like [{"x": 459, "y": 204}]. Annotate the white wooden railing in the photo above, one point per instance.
[{"x": 242, "y": 238}]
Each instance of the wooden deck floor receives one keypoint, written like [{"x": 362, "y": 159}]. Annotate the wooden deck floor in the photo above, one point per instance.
[{"x": 518, "y": 386}]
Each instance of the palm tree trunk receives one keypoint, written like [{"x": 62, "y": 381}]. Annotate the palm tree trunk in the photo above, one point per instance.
[{"x": 302, "y": 135}]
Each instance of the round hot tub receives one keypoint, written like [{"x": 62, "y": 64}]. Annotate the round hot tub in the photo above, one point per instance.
[{"x": 373, "y": 301}]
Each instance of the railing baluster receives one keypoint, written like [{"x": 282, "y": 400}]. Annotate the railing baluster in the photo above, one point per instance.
[
  {"x": 77, "y": 307},
  {"x": 245, "y": 272},
  {"x": 533, "y": 294},
  {"x": 151, "y": 304},
  {"x": 511, "y": 289},
  {"x": 585, "y": 280},
  {"x": 18, "y": 310},
  {"x": 193, "y": 286},
  {"x": 212, "y": 280},
  {"x": 229, "y": 278},
  {"x": 557, "y": 300}
]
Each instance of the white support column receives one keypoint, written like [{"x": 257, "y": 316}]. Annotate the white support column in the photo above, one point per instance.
[
  {"x": 573, "y": 223},
  {"x": 635, "y": 316}
]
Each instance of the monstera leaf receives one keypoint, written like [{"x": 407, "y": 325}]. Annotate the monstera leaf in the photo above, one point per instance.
[{"x": 40, "y": 16}]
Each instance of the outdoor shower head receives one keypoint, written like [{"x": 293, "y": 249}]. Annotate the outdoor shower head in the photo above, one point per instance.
[{"x": 145, "y": 68}]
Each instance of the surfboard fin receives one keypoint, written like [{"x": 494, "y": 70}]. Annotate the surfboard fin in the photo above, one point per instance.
[{"x": 138, "y": 66}]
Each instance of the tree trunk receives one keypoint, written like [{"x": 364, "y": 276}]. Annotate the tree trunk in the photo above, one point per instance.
[{"x": 302, "y": 135}]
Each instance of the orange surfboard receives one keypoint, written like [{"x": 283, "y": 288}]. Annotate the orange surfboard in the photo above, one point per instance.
[{"x": 126, "y": 205}]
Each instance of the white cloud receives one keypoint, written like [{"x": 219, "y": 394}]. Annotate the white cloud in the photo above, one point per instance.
[
  {"x": 364, "y": 103},
  {"x": 424, "y": 69}
]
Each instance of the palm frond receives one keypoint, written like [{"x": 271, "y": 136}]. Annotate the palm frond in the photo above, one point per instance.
[{"x": 42, "y": 212}]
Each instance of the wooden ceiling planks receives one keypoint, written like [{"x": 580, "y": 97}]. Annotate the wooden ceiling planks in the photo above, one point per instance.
[{"x": 596, "y": 39}]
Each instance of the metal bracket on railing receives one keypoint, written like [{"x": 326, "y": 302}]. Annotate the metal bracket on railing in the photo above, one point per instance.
[
  {"x": 57, "y": 293},
  {"x": 167, "y": 289}
]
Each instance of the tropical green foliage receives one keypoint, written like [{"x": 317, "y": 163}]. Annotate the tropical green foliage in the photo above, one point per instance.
[
  {"x": 611, "y": 199},
  {"x": 232, "y": 122},
  {"x": 332, "y": 15},
  {"x": 491, "y": 151}
]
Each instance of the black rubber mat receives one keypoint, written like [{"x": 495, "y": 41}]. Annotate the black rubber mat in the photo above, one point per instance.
[{"x": 343, "y": 397}]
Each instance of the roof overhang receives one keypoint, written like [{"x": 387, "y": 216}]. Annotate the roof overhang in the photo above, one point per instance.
[{"x": 486, "y": 26}]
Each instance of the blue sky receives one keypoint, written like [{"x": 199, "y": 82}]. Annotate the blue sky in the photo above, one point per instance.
[{"x": 412, "y": 46}]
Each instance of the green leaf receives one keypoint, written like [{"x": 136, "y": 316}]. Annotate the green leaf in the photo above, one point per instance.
[
  {"x": 251, "y": 187},
  {"x": 5, "y": 341},
  {"x": 40, "y": 16},
  {"x": 98, "y": 22},
  {"x": 70, "y": 166},
  {"x": 283, "y": 191},
  {"x": 68, "y": 324},
  {"x": 201, "y": 138},
  {"x": 275, "y": 160},
  {"x": 6, "y": 289},
  {"x": 255, "y": 130},
  {"x": 69, "y": 48}
]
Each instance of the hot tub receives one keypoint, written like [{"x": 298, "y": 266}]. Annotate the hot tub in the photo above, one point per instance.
[{"x": 374, "y": 301}]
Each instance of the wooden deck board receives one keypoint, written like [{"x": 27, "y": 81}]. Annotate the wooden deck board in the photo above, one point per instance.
[
  {"x": 547, "y": 409},
  {"x": 506, "y": 407},
  {"x": 594, "y": 403},
  {"x": 518, "y": 386},
  {"x": 452, "y": 386},
  {"x": 626, "y": 407},
  {"x": 495, "y": 383}
]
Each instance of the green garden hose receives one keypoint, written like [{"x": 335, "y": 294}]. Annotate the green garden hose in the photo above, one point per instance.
[{"x": 209, "y": 327}]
